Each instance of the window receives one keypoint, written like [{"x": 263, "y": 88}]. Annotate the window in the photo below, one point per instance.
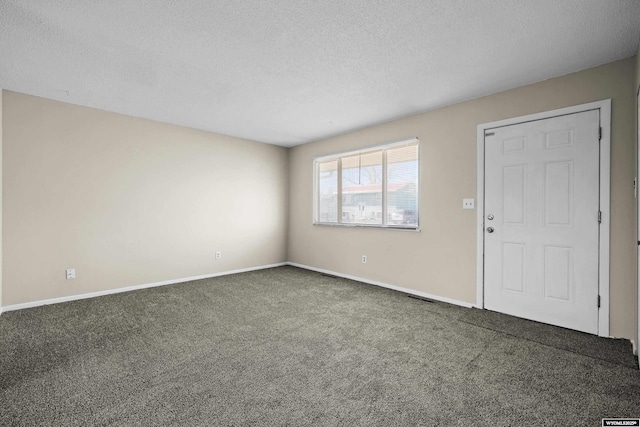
[{"x": 374, "y": 187}]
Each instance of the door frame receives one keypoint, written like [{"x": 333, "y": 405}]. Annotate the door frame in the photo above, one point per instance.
[{"x": 605, "y": 194}]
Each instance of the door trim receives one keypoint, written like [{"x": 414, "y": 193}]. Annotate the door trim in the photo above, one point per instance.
[{"x": 605, "y": 199}]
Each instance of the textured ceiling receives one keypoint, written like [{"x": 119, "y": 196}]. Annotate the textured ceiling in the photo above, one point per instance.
[{"x": 290, "y": 72}]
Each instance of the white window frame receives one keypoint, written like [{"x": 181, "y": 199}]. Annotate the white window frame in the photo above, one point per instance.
[{"x": 384, "y": 148}]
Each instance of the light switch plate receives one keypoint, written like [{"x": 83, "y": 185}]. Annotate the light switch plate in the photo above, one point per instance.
[{"x": 468, "y": 203}]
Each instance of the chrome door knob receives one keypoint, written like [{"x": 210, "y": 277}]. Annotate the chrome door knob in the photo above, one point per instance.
[{"x": 490, "y": 230}]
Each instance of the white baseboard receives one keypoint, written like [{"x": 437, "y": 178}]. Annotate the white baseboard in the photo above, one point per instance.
[
  {"x": 386, "y": 285},
  {"x": 131, "y": 288}
]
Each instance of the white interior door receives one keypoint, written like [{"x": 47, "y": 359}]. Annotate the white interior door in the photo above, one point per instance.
[{"x": 541, "y": 220}]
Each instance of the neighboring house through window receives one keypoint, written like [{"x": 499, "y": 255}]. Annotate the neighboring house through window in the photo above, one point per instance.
[{"x": 377, "y": 187}]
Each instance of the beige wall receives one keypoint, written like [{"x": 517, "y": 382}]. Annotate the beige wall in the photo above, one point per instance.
[
  {"x": 638, "y": 66},
  {"x": 1, "y": 133},
  {"x": 127, "y": 201},
  {"x": 637, "y": 156},
  {"x": 441, "y": 260}
]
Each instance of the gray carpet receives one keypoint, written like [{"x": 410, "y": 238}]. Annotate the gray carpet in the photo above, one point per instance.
[
  {"x": 287, "y": 346},
  {"x": 618, "y": 351}
]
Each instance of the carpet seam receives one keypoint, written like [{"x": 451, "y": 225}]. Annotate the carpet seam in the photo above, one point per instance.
[{"x": 549, "y": 346}]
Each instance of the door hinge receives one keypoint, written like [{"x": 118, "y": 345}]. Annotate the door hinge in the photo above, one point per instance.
[
  {"x": 598, "y": 301},
  {"x": 599, "y": 217},
  {"x": 600, "y": 133}
]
